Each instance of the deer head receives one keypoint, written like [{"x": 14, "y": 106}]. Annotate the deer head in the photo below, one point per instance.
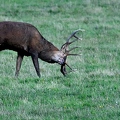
[{"x": 60, "y": 56}]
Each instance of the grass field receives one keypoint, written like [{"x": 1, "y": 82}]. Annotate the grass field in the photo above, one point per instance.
[{"x": 92, "y": 92}]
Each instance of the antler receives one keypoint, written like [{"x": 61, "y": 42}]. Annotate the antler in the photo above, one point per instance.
[
  {"x": 65, "y": 50},
  {"x": 65, "y": 46}
]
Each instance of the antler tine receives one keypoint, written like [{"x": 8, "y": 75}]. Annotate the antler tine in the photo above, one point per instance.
[
  {"x": 73, "y": 48},
  {"x": 74, "y": 54},
  {"x": 73, "y": 35},
  {"x": 68, "y": 66},
  {"x": 68, "y": 43}
]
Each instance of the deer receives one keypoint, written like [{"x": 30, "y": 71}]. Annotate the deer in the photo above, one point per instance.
[{"x": 26, "y": 40}]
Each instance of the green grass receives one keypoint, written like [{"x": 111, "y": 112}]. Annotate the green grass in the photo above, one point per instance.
[{"x": 92, "y": 92}]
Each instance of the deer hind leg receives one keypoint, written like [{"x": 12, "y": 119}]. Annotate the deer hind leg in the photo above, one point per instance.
[
  {"x": 18, "y": 63},
  {"x": 36, "y": 63}
]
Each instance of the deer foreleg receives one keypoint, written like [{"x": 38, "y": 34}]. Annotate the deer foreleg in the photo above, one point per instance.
[{"x": 36, "y": 63}]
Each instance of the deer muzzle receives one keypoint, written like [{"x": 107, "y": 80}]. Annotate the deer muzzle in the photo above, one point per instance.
[{"x": 61, "y": 61}]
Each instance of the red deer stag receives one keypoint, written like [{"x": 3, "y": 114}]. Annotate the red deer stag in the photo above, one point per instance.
[{"x": 26, "y": 40}]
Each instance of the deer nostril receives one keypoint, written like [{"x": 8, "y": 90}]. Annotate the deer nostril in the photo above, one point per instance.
[{"x": 61, "y": 61}]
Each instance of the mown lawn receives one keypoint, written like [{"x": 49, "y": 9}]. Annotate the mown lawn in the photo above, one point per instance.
[{"x": 92, "y": 91}]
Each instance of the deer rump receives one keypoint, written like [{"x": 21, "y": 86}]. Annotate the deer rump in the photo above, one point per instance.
[{"x": 26, "y": 40}]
